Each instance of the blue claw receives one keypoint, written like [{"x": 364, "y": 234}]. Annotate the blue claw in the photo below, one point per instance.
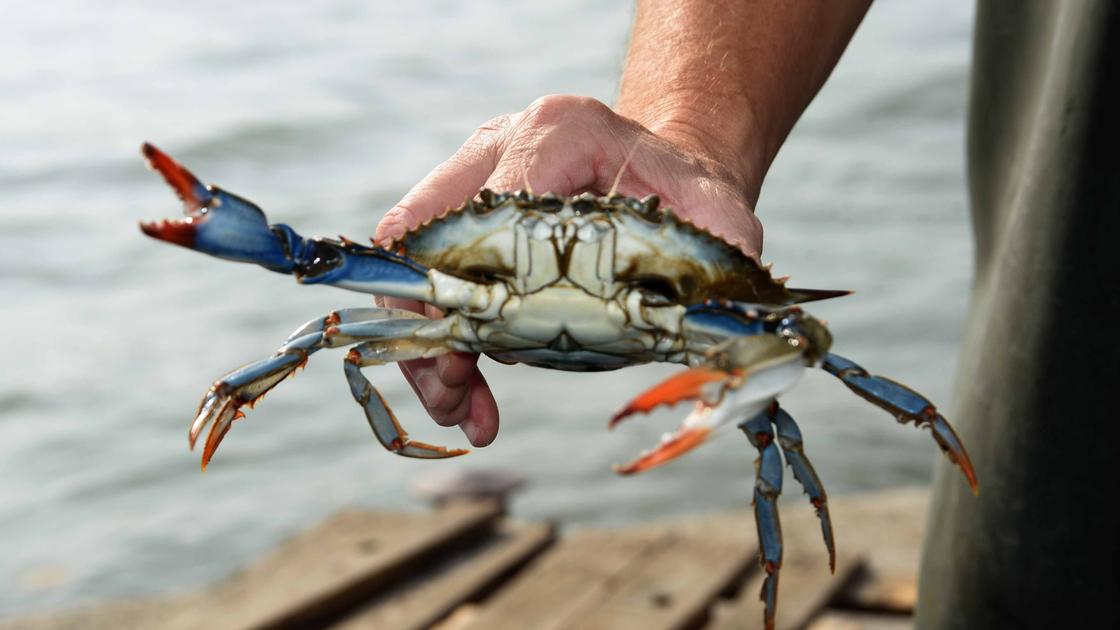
[
  {"x": 767, "y": 487},
  {"x": 906, "y": 404},
  {"x": 217, "y": 222},
  {"x": 224, "y": 225},
  {"x": 789, "y": 436}
]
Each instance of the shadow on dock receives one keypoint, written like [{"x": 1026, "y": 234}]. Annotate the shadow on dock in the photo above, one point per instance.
[{"x": 466, "y": 566}]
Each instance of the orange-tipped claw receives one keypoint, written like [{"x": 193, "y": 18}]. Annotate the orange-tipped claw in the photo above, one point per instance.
[
  {"x": 680, "y": 443},
  {"x": 951, "y": 444},
  {"x": 687, "y": 385},
  {"x": 193, "y": 193},
  {"x": 217, "y": 432},
  {"x": 178, "y": 231},
  {"x": 966, "y": 466},
  {"x": 185, "y": 184}
]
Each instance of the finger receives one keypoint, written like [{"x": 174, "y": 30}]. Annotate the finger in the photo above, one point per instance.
[
  {"x": 454, "y": 369},
  {"x": 416, "y": 306},
  {"x": 481, "y": 424},
  {"x": 550, "y": 164},
  {"x": 549, "y": 160},
  {"x": 447, "y": 406},
  {"x": 451, "y": 183},
  {"x": 441, "y": 384}
]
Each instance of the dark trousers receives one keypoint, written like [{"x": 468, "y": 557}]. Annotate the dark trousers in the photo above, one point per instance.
[{"x": 1039, "y": 385}]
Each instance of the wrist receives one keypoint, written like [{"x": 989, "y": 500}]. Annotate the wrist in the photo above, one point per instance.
[{"x": 719, "y": 131}]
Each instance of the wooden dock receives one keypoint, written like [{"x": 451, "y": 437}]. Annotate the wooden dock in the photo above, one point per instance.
[{"x": 466, "y": 566}]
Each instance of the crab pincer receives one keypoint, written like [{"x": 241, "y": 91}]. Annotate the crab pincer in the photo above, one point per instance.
[
  {"x": 217, "y": 222},
  {"x": 737, "y": 380}
]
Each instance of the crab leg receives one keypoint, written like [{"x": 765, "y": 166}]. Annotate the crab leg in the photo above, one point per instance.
[
  {"x": 226, "y": 226},
  {"x": 381, "y": 418},
  {"x": 245, "y": 386},
  {"x": 906, "y": 404},
  {"x": 767, "y": 487},
  {"x": 789, "y": 437}
]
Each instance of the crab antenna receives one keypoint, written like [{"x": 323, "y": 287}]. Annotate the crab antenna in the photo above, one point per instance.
[{"x": 622, "y": 169}]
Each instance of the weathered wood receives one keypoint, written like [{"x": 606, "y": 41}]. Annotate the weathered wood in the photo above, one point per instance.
[
  {"x": 649, "y": 578},
  {"x": 566, "y": 583},
  {"x": 428, "y": 597},
  {"x": 805, "y": 585},
  {"x": 804, "y": 590},
  {"x": 884, "y": 528},
  {"x": 135, "y": 614},
  {"x": 451, "y": 568},
  {"x": 877, "y": 540},
  {"x": 853, "y": 620},
  {"x": 886, "y": 593},
  {"x": 675, "y": 587},
  {"x": 336, "y": 566},
  {"x": 459, "y": 619}
]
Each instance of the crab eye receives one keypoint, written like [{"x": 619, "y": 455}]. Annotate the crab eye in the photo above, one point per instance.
[
  {"x": 656, "y": 290},
  {"x": 320, "y": 259}
]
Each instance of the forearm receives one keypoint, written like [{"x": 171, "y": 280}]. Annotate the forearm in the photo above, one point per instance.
[{"x": 729, "y": 78}]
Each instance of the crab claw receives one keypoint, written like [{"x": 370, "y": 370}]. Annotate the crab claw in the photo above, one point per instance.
[
  {"x": 193, "y": 193},
  {"x": 217, "y": 432},
  {"x": 758, "y": 369},
  {"x": 672, "y": 446},
  {"x": 692, "y": 384},
  {"x": 218, "y": 223}
]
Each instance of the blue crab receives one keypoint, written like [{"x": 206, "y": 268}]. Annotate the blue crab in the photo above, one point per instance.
[{"x": 572, "y": 283}]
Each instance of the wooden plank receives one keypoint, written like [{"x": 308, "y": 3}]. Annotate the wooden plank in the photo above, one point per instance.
[
  {"x": 879, "y": 532},
  {"x": 853, "y": 620},
  {"x": 431, "y": 596},
  {"x": 137, "y": 614},
  {"x": 889, "y": 593},
  {"x": 459, "y": 619},
  {"x": 805, "y": 584},
  {"x": 565, "y": 583},
  {"x": 675, "y": 585},
  {"x": 886, "y": 529},
  {"x": 804, "y": 590},
  {"x": 336, "y": 566}
]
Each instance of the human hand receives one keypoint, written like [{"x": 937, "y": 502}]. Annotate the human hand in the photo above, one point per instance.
[{"x": 566, "y": 145}]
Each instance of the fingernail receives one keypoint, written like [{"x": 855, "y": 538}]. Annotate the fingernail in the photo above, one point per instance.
[{"x": 471, "y": 430}]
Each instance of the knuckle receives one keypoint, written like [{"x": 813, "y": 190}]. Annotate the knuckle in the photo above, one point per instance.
[
  {"x": 490, "y": 131},
  {"x": 557, "y": 109},
  {"x": 484, "y": 143},
  {"x": 447, "y": 408}
]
